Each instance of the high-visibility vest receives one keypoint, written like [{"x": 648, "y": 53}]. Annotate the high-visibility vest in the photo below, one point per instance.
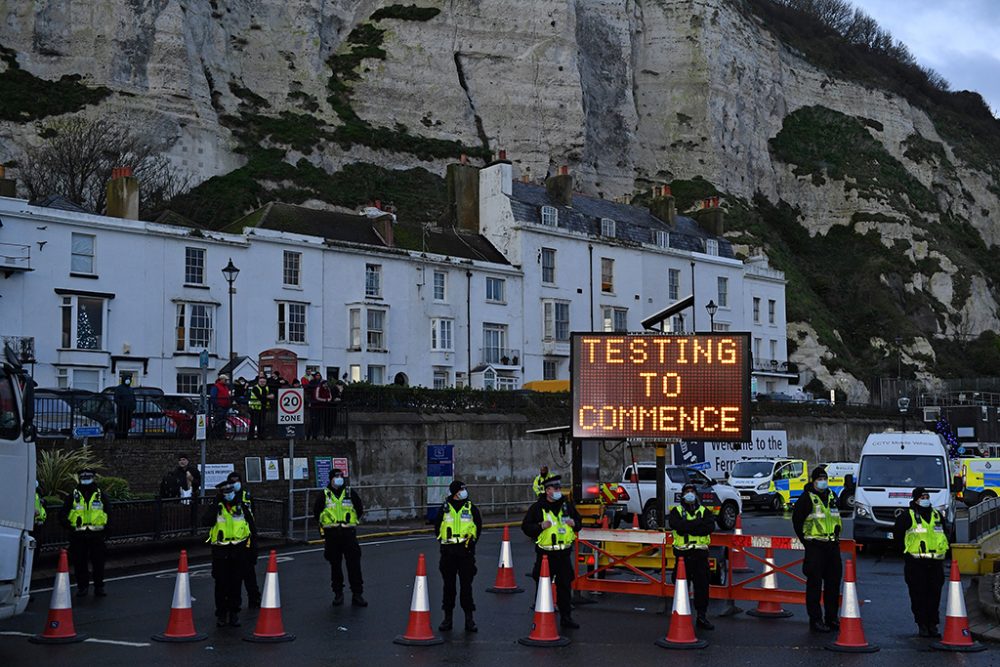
[
  {"x": 339, "y": 511},
  {"x": 230, "y": 527},
  {"x": 40, "y": 513},
  {"x": 687, "y": 542},
  {"x": 925, "y": 539},
  {"x": 84, "y": 515},
  {"x": 558, "y": 536},
  {"x": 257, "y": 395},
  {"x": 458, "y": 526},
  {"x": 823, "y": 521},
  {"x": 538, "y": 484}
]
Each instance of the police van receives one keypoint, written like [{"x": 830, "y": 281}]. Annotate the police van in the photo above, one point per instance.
[
  {"x": 980, "y": 479},
  {"x": 892, "y": 465},
  {"x": 771, "y": 483}
]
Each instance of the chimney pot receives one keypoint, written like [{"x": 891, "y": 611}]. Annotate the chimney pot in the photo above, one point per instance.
[
  {"x": 463, "y": 158},
  {"x": 564, "y": 171},
  {"x": 666, "y": 191},
  {"x": 3, "y": 171},
  {"x": 378, "y": 204},
  {"x": 503, "y": 154}
]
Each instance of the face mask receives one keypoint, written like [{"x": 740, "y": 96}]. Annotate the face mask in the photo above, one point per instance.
[
  {"x": 557, "y": 495},
  {"x": 924, "y": 502},
  {"x": 237, "y": 486},
  {"x": 229, "y": 496},
  {"x": 821, "y": 484},
  {"x": 86, "y": 480},
  {"x": 463, "y": 494},
  {"x": 689, "y": 497},
  {"x": 338, "y": 481}
]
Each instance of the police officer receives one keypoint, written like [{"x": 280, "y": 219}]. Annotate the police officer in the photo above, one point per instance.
[
  {"x": 231, "y": 533},
  {"x": 552, "y": 522},
  {"x": 816, "y": 521},
  {"x": 83, "y": 513},
  {"x": 538, "y": 484},
  {"x": 250, "y": 574},
  {"x": 458, "y": 526},
  {"x": 260, "y": 401},
  {"x": 692, "y": 526},
  {"x": 40, "y": 513},
  {"x": 337, "y": 512},
  {"x": 920, "y": 534}
]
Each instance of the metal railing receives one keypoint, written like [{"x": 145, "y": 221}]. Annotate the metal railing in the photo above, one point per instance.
[
  {"x": 152, "y": 520},
  {"x": 23, "y": 347},
  {"x": 984, "y": 519},
  {"x": 405, "y": 502},
  {"x": 15, "y": 256},
  {"x": 499, "y": 356}
]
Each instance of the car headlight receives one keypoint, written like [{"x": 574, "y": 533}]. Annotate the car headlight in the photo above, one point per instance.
[
  {"x": 861, "y": 510},
  {"x": 764, "y": 486}
]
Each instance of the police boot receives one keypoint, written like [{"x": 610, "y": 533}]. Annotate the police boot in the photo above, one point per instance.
[
  {"x": 923, "y": 630},
  {"x": 234, "y": 619},
  {"x": 446, "y": 624},
  {"x": 470, "y": 623},
  {"x": 703, "y": 622},
  {"x": 338, "y": 598}
]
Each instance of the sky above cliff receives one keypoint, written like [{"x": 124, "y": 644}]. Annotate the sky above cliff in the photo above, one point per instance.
[{"x": 960, "y": 39}]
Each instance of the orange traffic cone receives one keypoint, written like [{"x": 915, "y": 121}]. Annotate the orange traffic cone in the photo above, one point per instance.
[
  {"x": 680, "y": 634},
  {"x": 505, "y": 582},
  {"x": 543, "y": 630},
  {"x": 851, "y": 638},
  {"x": 635, "y": 521},
  {"x": 604, "y": 522},
  {"x": 956, "y": 622},
  {"x": 418, "y": 630},
  {"x": 769, "y": 609},
  {"x": 59, "y": 625},
  {"x": 180, "y": 625},
  {"x": 269, "y": 628},
  {"x": 738, "y": 556}
]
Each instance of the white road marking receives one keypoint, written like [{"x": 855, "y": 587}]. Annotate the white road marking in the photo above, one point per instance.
[
  {"x": 115, "y": 642},
  {"x": 173, "y": 570}
]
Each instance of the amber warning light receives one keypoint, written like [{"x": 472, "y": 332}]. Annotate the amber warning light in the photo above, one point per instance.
[{"x": 691, "y": 387}]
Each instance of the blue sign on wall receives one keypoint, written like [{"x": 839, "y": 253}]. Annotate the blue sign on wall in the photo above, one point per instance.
[{"x": 440, "y": 472}]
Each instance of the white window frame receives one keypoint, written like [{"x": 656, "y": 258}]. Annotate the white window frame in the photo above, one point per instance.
[
  {"x": 373, "y": 281},
  {"x": 550, "y": 216},
  {"x": 554, "y": 327},
  {"x": 499, "y": 284},
  {"x": 355, "y": 372},
  {"x": 185, "y": 315},
  {"x": 549, "y": 267},
  {"x": 772, "y": 346},
  {"x": 179, "y": 385},
  {"x": 550, "y": 369},
  {"x": 772, "y": 309},
  {"x": 291, "y": 329},
  {"x": 661, "y": 238},
  {"x": 375, "y": 334},
  {"x": 614, "y": 318},
  {"x": 354, "y": 329},
  {"x": 607, "y": 275},
  {"x": 71, "y": 305},
  {"x": 673, "y": 284},
  {"x": 441, "y": 378},
  {"x": 755, "y": 310},
  {"x": 500, "y": 329},
  {"x": 723, "y": 291},
  {"x": 607, "y": 227},
  {"x": 442, "y": 334},
  {"x": 291, "y": 268},
  {"x": 757, "y": 342},
  {"x": 440, "y": 289},
  {"x": 83, "y": 255},
  {"x": 372, "y": 370},
  {"x": 195, "y": 260},
  {"x": 95, "y": 386},
  {"x": 711, "y": 247}
]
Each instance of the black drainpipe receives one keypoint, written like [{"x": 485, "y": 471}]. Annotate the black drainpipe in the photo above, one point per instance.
[
  {"x": 468, "y": 328},
  {"x": 590, "y": 247}
]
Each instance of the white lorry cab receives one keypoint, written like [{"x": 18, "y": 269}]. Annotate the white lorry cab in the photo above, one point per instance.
[
  {"x": 17, "y": 479},
  {"x": 892, "y": 465}
]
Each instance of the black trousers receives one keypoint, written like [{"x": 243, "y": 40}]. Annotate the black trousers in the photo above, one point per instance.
[
  {"x": 562, "y": 571},
  {"x": 123, "y": 422},
  {"x": 823, "y": 570},
  {"x": 457, "y": 561},
  {"x": 925, "y": 579},
  {"x": 250, "y": 575},
  {"x": 342, "y": 544},
  {"x": 256, "y": 429},
  {"x": 229, "y": 564},
  {"x": 86, "y": 547},
  {"x": 696, "y": 570}
]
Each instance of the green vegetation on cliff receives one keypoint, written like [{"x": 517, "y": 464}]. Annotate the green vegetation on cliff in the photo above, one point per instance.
[{"x": 25, "y": 97}]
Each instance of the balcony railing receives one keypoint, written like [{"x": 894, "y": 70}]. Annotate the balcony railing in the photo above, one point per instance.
[
  {"x": 498, "y": 356},
  {"x": 15, "y": 257},
  {"x": 775, "y": 366},
  {"x": 23, "y": 347}
]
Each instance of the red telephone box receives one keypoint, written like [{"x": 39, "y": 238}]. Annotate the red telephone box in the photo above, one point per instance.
[{"x": 278, "y": 359}]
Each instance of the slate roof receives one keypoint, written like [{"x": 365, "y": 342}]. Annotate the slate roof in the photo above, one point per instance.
[
  {"x": 632, "y": 223},
  {"x": 352, "y": 228},
  {"x": 59, "y": 202}
]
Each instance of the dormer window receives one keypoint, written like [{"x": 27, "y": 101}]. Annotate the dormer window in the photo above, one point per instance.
[
  {"x": 550, "y": 216},
  {"x": 661, "y": 238},
  {"x": 607, "y": 227},
  {"x": 711, "y": 247}
]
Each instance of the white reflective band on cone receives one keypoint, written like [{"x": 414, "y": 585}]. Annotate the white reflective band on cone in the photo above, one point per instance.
[
  {"x": 60, "y": 593},
  {"x": 272, "y": 596},
  {"x": 419, "y": 601},
  {"x": 849, "y": 607},
  {"x": 769, "y": 579},
  {"x": 182, "y": 592},
  {"x": 682, "y": 605},
  {"x": 543, "y": 603},
  {"x": 956, "y": 600},
  {"x": 505, "y": 559}
]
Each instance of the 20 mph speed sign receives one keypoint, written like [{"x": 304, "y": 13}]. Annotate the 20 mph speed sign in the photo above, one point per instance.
[{"x": 291, "y": 408}]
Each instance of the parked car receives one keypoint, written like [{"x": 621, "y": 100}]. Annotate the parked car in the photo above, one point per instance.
[
  {"x": 721, "y": 499},
  {"x": 96, "y": 406},
  {"x": 184, "y": 410},
  {"x": 149, "y": 417},
  {"x": 56, "y": 418}
]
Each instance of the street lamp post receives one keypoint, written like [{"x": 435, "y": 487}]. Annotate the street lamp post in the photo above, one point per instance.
[
  {"x": 712, "y": 309},
  {"x": 230, "y": 272}
]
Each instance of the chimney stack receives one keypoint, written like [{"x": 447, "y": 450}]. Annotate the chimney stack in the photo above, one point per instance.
[
  {"x": 462, "y": 181},
  {"x": 123, "y": 194},
  {"x": 384, "y": 227},
  {"x": 662, "y": 205},
  {"x": 710, "y": 216},
  {"x": 560, "y": 187},
  {"x": 8, "y": 186}
]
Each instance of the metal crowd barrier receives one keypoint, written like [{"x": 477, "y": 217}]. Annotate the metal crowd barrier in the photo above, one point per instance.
[{"x": 984, "y": 518}]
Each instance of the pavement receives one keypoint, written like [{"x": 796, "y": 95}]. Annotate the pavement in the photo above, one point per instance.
[{"x": 617, "y": 629}]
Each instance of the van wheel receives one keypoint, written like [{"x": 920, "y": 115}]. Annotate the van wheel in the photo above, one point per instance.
[
  {"x": 846, "y": 501},
  {"x": 650, "y": 518},
  {"x": 727, "y": 515},
  {"x": 777, "y": 503}
]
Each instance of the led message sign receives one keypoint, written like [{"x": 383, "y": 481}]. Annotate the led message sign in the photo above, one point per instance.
[{"x": 688, "y": 387}]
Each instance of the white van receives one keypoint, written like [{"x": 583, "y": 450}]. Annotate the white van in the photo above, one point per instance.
[{"x": 892, "y": 465}]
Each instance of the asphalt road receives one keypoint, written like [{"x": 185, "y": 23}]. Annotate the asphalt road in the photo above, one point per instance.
[{"x": 616, "y": 630}]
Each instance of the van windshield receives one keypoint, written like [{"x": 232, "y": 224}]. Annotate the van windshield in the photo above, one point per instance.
[
  {"x": 905, "y": 470},
  {"x": 752, "y": 469}
]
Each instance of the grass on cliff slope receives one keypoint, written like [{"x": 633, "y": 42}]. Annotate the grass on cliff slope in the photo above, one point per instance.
[{"x": 25, "y": 97}]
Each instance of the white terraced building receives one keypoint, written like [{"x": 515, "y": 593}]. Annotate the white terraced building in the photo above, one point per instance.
[{"x": 486, "y": 300}]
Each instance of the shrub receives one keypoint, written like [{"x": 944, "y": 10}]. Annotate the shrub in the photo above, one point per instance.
[
  {"x": 115, "y": 488},
  {"x": 56, "y": 469}
]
